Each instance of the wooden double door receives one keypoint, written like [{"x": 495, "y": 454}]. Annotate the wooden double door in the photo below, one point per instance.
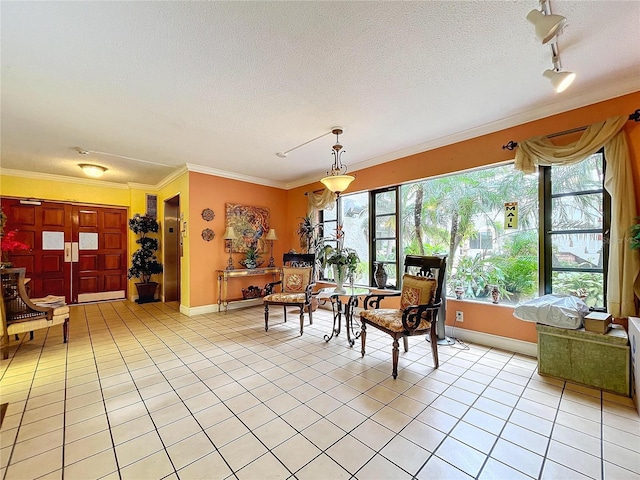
[{"x": 78, "y": 251}]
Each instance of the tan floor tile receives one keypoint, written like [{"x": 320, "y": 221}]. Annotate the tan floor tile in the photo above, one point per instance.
[
  {"x": 627, "y": 459},
  {"x": 190, "y": 449},
  {"x": 495, "y": 470},
  {"x": 404, "y": 453},
  {"x": 517, "y": 457},
  {"x": 36, "y": 445},
  {"x": 296, "y": 452},
  {"x": 226, "y": 431},
  {"x": 210, "y": 467},
  {"x": 36, "y": 466},
  {"x": 138, "y": 448},
  {"x": 555, "y": 471},
  {"x": 86, "y": 447},
  {"x": 372, "y": 434},
  {"x": 266, "y": 467},
  {"x": 40, "y": 427},
  {"x": 242, "y": 451},
  {"x": 321, "y": 468},
  {"x": 153, "y": 466},
  {"x": 574, "y": 459},
  {"x": 350, "y": 453},
  {"x": 438, "y": 468}
]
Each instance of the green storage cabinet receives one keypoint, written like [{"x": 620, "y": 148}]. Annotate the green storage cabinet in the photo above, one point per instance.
[{"x": 588, "y": 358}]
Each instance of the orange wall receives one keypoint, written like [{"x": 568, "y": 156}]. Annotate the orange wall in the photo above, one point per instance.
[
  {"x": 206, "y": 191},
  {"x": 477, "y": 152}
]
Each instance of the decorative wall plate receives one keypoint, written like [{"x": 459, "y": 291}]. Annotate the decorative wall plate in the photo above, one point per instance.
[
  {"x": 208, "y": 234},
  {"x": 208, "y": 214}
]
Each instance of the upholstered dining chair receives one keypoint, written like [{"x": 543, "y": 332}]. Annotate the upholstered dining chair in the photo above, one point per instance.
[
  {"x": 20, "y": 314},
  {"x": 295, "y": 287},
  {"x": 420, "y": 300}
]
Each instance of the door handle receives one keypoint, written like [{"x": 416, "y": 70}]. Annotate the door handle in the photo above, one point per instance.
[
  {"x": 74, "y": 252},
  {"x": 67, "y": 252}
]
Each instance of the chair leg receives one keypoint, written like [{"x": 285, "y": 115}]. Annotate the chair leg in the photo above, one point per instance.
[
  {"x": 310, "y": 314},
  {"x": 405, "y": 340},
  {"x": 4, "y": 346},
  {"x": 284, "y": 307},
  {"x": 65, "y": 331},
  {"x": 434, "y": 344},
  {"x": 31, "y": 335},
  {"x": 17, "y": 337},
  {"x": 396, "y": 355},
  {"x": 266, "y": 317},
  {"x": 301, "y": 318},
  {"x": 363, "y": 336}
]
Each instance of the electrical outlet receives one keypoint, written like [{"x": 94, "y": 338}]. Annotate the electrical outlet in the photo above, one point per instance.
[{"x": 459, "y": 316}]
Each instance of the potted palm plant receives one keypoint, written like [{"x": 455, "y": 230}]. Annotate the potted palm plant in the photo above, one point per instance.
[{"x": 143, "y": 261}]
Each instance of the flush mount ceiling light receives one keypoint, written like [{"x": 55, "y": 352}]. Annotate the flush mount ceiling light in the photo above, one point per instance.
[
  {"x": 337, "y": 179},
  {"x": 92, "y": 170},
  {"x": 547, "y": 28}
]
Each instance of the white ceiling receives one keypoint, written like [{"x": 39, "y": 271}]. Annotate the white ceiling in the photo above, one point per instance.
[{"x": 223, "y": 86}]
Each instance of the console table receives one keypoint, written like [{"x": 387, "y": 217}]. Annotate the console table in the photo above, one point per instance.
[{"x": 225, "y": 275}]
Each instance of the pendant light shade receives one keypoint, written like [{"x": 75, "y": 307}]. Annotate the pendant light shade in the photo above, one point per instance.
[
  {"x": 337, "y": 180},
  {"x": 560, "y": 80},
  {"x": 546, "y": 26}
]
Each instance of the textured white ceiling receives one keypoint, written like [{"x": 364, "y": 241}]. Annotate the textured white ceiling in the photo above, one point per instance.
[{"x": 223, "y": 86}]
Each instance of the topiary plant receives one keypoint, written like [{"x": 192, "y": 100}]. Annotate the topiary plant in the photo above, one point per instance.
[{"x": 143, "y": 261}]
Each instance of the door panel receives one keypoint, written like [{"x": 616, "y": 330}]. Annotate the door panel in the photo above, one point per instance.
[
  {"x": 100, "y": 273},
  {"x": 56, "y": 263},
  {"x": 46, "y": 268}
]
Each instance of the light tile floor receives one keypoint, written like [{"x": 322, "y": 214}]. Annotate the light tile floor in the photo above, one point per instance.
[{"x": 145, "y": 392}]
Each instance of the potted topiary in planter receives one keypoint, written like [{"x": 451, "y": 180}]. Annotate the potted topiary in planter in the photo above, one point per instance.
[{"x": 143, "y": 261}]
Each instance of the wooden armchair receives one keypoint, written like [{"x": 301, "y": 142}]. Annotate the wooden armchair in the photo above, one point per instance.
[
  {"x": 20, "y": 314},
  {"x": 296, "y": 287},
  {"x": 420, "y": 301}
]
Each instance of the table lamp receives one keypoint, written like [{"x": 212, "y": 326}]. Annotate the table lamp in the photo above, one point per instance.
[
  {"x": 271, "y": 236},
  {"x": 230, "y": 236}
]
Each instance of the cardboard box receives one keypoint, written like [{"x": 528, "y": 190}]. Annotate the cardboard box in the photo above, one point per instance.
[
  {"x": 634, "y": 340},
  {"x": 597, "y": 322}
]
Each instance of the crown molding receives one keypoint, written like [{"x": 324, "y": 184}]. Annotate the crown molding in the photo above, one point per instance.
[
  {"x": 182, "y": 169},
  {"x": 234, "y": 176},
  {"x": 556, "y": 107},
  {"x": 61, "y": 178}
]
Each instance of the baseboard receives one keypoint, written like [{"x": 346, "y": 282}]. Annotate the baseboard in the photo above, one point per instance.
[
  {"x": 214, "y": 308},
  {"x": 510, "y": 344}
]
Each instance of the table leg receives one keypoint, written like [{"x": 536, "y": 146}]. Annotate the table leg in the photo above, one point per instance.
[
  {"x": 336, "y": 308},
  {"x": 352, "y": 335}
]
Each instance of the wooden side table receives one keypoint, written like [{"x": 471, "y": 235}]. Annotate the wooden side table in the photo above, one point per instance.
[{"x": 225, "y": 275}]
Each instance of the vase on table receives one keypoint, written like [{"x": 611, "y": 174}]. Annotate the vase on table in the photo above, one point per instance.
[
  {"x": 380, "y": 275},
  {"x": 339, "y": 275}
]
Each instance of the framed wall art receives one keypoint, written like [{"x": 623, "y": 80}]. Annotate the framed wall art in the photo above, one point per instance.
[{"x": 249, "y": 224}]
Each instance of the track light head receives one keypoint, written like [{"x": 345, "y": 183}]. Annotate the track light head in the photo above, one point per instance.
[
  {"x": 546, "y": 26},
  {"x": 560, "y": 80}
]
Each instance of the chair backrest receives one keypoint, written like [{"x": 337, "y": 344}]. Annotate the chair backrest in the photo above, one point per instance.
[
  {"x": 425, "y": 266},
  {"x": 14, "y": 295},
  {"x": 299, "y": 269}
]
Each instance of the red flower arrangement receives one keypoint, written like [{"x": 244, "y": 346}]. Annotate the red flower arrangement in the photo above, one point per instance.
[{"x": 10, "y": 244}]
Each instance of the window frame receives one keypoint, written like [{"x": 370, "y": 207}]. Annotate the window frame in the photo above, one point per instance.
[
  {"x": 546, "y": 231},
  {"x": 373, "y": 216}
]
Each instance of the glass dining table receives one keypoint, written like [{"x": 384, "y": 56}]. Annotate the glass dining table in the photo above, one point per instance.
[{"x": 343, "y": 304}]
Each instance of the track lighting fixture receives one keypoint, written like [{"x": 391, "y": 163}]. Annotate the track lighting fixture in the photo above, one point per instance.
[{"x": 547, "y": 28}]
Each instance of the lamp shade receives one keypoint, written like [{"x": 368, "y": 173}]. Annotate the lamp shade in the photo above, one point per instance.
[
  {"x": 546, "y": 26},
  {"x": 337, "y": 183},
  {"x": 271, "y": 235},
  {"x": 559, "y": 80},
  {"x": 230, "y": 234},
  {"x": 91, "y": 170}
]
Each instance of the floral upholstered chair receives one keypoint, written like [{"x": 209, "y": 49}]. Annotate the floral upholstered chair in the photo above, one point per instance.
[
  {"x": 295, "y": 287},
  {"x": 420, "y": 300}
]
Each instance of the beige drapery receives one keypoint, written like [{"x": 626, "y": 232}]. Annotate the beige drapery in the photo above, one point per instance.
[
  {"x": 623, "y": 280},
  {"x": 318, "y": 201}
]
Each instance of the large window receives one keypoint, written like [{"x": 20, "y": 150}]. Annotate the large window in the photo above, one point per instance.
[
  {"x": 576, "y": 224},
  {"x": 462, "y": 215}
]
